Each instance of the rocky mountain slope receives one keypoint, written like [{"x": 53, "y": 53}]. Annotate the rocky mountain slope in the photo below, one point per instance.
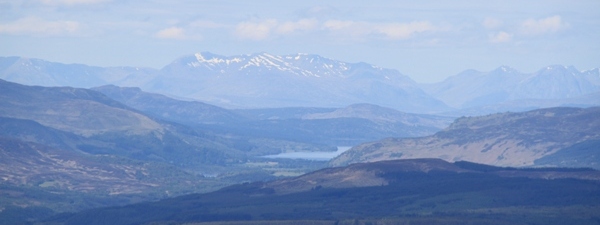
[
  {"x": 504, "y": 139},
  {"x": 421, "y": 191}
]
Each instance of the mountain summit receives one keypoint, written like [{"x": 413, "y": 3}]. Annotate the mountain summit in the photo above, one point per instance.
[
  {"x": 299, "y": 64},
  {"x": 265, "y": 80},
  {"x": 504, "y": 84}
]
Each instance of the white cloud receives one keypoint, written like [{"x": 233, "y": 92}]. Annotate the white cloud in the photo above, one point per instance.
[
  {"x": 265, "y": 29},
  {"x": 543, "y": 26},
  {"x": 206, "y": 24},
  {"x": 301, "y": 25},
  {"x": 349, "y": 29},
  {"x": 255, "y": 30},
  {"x": 396, "y": 31},
  {"x": 500, "y": 37},
  {"x": 39, "y": 27},
  {"x": 72, "y": 2},
  {"x": 171, "y": 33},
  {"x": 403, "y": 30},
  {"x": 352, "y": 30},
  {"x": 191, "y": 31},
  {"x": 491, "y": 23},
  {"x": 343, "y": 25},
  {"x": 321, "y": 11}
]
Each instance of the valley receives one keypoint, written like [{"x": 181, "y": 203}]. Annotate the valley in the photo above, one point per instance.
[{"x": 268, "y": 139}]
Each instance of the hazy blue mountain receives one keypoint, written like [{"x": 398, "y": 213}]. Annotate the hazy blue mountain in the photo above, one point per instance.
[
  {"x": 187, "y": 112},
  {"x": 106, "y": 126},
  {"x": 247, "y": 81},
  {"x": 416, "y": 191},
  {"x": 263, "y": 80},
  {"x": 269, "y": 81},
  {"x": 522, "y": 105},
  {"x": 383, "y": 115},
  {"x": 335, "y": 127},
  {"x": 503, "y": 139},
  {"x": 474, "y": 89},
  {"x": 30, "y": 71}
]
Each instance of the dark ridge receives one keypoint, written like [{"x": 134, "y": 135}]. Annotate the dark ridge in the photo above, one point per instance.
[{"x": 488, "y": 168}]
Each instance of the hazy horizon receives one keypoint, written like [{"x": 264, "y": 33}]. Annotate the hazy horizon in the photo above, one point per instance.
[{"x": 426, "y": 40}]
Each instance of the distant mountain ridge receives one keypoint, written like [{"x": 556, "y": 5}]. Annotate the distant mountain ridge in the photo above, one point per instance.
[
  {"x": 168, "y": 108},
  {"x": 105, "y": 126},
  {"x": 338, "y": 127},
  {"x": 299, "y": 64},
  {"x": 476, "y": 89},
  {"x": 31, "y": 71},
  {"x": 263, "y": 80},
  {"x": 268, "y": 81}
]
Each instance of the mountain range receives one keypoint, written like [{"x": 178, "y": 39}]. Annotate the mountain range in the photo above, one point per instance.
[
  {"x": 263, "y": 80},
  {"x": 349, "y": 125},
  {"x": 502, "y": 139},
  {"x": 30, "y": 71},
  {"x": 511, "y": 88},
  {"x": 267, "y": 81}
]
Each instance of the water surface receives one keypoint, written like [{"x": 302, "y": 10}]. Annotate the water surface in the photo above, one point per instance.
[{"x": 319, "y": 156}]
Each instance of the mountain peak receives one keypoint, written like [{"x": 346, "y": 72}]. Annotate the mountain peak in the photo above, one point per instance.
[
  {"x": 268, "y": 80},
  {"x": 211, "y": 60},
  {"x": 506, "y": 69},
  {"x": 309, "y": 65},
  {"x": 560, "y": 68},
  {"x": 594, "y": 71}
]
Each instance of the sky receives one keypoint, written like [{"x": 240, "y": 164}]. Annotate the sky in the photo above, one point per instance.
[{"x": 427, "y": 40}]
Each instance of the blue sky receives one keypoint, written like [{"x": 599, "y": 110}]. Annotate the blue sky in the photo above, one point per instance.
[{"x": 426, "y": 40}]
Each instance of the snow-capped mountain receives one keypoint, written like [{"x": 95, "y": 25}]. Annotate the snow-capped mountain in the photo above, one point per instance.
[
  {"x": 265, "y": 80},
  {"x": 300, "y": 64},
  {"x": 504, "y": 84}
]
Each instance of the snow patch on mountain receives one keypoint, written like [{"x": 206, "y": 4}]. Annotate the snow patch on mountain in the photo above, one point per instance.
[{"x": 300, "y": 64}]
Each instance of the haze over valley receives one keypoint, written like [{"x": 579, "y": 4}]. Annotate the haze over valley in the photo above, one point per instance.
[{"x": 299, "y": 112}]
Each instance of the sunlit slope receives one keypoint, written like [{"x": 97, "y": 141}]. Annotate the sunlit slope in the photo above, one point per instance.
[{"x": 505, "y": 139}]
